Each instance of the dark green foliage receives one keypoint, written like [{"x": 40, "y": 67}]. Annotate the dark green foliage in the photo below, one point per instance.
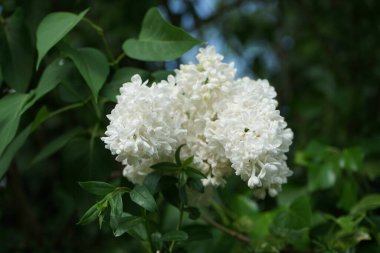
[{"x": 62, "y": 64}]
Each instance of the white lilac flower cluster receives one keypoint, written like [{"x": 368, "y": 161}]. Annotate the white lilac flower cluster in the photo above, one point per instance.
[{"x": 228, "y": 125}]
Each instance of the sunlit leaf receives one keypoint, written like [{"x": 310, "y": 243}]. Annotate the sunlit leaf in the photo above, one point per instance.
[{"x": 159, "y": 40}]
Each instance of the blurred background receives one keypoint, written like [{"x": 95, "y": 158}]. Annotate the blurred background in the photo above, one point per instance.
[{"x": 322, "y": 57}]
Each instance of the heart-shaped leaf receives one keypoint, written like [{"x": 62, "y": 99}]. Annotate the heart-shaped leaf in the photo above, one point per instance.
[{"x": 159, "y": 40}]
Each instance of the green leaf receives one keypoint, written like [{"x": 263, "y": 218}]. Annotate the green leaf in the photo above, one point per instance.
[
  {"x": 177, "y": 155},
  {"x": 4, "y": 49},
  {"x": 167, "y": 182},
  {"x": 53, "y": 28},
  {"x": 142, "y": 196},
  {"x": 19, "y": 56},
  {"x": 297, "y": 216},
  {"x": 54, "y": 146},
  {"x": 243, "y": 205},
  {"x": 166, "y": 167},
  {"x": 1, "y": 73},
  {"x": 321, "y": 177},
  {"x": 197, "y": 232},
  {"x": 13, "y": 147},
  {"x": 170, "y": 194},
  {"x": 183, "y": 195},
  {"x": 160, "y": 75},
  {"x": 346, "y": 223},
  {"x": 92, "y": 65},
  {"x": 367, "y": 203},
  {"x": 182, "y": 178},
  {"x": 57, "y": 71},
  {"x": 10, "y": 113},
  {"x": 159, "y": 40},
  {"x": 121, "y": 76},
  {"x": 92, "y": 213},
  {"x": 97, "y": 188},
  {"x": 262, "y": 222},
  {"x": 196, "y": 184},
  {"x": 289, "y": 194},
  {"x": 156, "y": 239},
  {"x": 18, "y": 142},
  {"x": 42, "y": 115},
  {"x": 188, "y": 161},
  {"x": 352, "y": 159},
  {"x": 152, "y": 180},
  {"x": 176, "y": 235},
  {"x": 194, "y": 173},
  {"x": 348, "y": 194},
  {"x": 101, "y": 220},
  {"x": 127, "y": 224},
  {"x": 116, "y": 204}
]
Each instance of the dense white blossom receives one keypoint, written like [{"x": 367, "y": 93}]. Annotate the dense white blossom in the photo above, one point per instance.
[
  {"x": 228, "y": 125},
  {"x": 146, "y": 125}
]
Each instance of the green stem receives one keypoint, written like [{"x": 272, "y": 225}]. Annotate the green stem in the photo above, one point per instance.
[
  {"x": 93, "y": 136},
  {"x": 116, "y": 62},
  {"x": 100, "y": 32},
  {"x": 108, "y": 48},
  {"x": 96, "y": 108},
  {"x": 71, "y": 90},
  {"x": 59, "y": 111},
  {"x": 179, "y": 224},
  {"x": 231, "y": 232},
  {"x": 94, "y": 130},
  {"x": 66, "y": 108},
  {"x": 180, "y": 217},
  {"x": 151, "y": 249},
  {"x": 123, "y": 189}
]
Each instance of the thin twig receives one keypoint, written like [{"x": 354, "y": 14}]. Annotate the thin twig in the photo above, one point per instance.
[
  {"x": 100, "y": 32},
  {"x": 178, "y": 226},
  {"x": 228, "y": 231}
]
